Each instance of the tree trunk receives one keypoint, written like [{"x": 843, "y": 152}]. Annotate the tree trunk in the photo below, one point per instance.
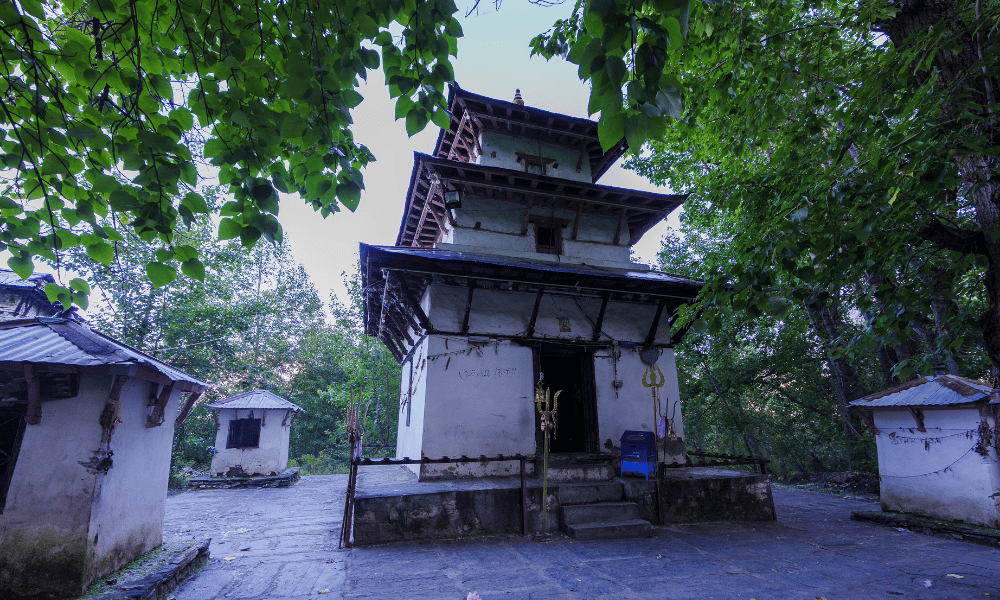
[
  {"x": 839, "y": 368},
  {"x": 958, "y": 70}
]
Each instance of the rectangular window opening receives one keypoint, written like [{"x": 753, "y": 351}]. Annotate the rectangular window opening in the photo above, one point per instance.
[
  {"x": 547, "y": 239},
  {"x": 244, "y": 433}
]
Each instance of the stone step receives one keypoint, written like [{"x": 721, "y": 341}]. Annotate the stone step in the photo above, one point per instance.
[
  {"x": 603, "y": 530},
  {"x": 576, "y": 473},
  {"x": 591, "y": 492},
  {"x": 603, "y": 511},
  {"x": 578, "y": 458}
]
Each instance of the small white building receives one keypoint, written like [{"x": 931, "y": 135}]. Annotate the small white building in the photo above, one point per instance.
[
  {"x": 937, "y": 448},
  {"x": 86, "y": 429},
  {"x": 512, "y": 262},
  {"x": 254, "y": 429}
]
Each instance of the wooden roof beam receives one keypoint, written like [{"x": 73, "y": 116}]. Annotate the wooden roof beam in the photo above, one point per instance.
[
  {"x": 656, "y": 322},
  {"x": 534, "y": 311},
  {"x": 605, "y": 297},
  {"x": 468, "y": 306}
]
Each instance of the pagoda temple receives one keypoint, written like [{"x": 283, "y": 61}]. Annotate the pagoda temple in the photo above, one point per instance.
[{"x": 512, "y": 270}]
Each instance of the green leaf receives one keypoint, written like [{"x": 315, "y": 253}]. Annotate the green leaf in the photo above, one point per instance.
[
  {"x": 349, "y": 194},
  {"x": 229, "y": 229},
  {"x": 292, "y": 127},
  {"x": 22, "y": 265},
  {"x": 673, "y": 27},
  {"x": 441, "y": 118},
  {"x": 416, "y": 120},
  {"x": 82, "y": 132},
  {"x": 160, "y": 274},
  {"x": 195, "y": 203},
  {"x": 194, "y": 269},
  {"x": 79, "y": 285},
  {"x": 611, "y": 129},
  {"x": 102, "y": 252}
]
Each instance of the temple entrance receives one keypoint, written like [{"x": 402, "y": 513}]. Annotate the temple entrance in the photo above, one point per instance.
[{"x": 571, "y": 370}]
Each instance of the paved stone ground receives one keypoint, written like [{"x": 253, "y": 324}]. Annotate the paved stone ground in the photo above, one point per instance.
[{"x": 282, "y": 544}]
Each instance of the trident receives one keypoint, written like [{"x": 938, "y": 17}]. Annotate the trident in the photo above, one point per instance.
[{"x": 547, "y": 407}]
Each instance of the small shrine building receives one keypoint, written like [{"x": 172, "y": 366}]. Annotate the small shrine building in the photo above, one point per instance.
[{"x": 254, "y": 429}]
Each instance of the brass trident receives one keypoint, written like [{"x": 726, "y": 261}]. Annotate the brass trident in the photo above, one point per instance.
[{"x": 547, "y": 407}]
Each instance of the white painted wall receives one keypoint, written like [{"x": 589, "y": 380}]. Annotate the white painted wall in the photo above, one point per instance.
[
  {"x": 490, "y": 226},
  {"x": 506, "y": 312},
  {"x": 632, "y": 408},
  {"x": 58, "y": 512},
  {"x": 130, "y": 501},
  {"x": 911, "y": 465},
  {"x": 471, "y": 400},
  {"x": 270, "y": 457},
  {"x": 500, "y": 151},
  {"x": 47, "y": 513},
  {"x": 413, "y": 388}
]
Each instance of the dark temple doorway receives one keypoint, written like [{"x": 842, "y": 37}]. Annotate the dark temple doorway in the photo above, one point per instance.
[{"x": 571, "y": 370}]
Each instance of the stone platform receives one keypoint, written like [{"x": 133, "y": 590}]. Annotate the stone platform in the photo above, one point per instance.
[
  {"x": 205, "y": 482},
  {"x": 391, "y": 505}
]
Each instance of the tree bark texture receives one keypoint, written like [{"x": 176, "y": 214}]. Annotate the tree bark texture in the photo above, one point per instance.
[{"x": 978, "y": 172}]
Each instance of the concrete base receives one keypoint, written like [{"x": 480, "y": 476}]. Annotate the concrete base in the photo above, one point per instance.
[
  {"x": 391, "y": 505},
  {"x": 283, "y": 479},
  {"x": 700, "y": 494}
]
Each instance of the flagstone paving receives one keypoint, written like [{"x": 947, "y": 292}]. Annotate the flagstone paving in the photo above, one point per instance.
[{"x": 282, "y": 544}]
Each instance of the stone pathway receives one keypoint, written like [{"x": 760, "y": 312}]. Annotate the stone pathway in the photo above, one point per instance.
[{"x": 282, "y": 544}]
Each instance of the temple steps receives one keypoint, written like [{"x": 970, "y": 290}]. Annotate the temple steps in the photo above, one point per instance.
[{"x": 592, "y": 511}]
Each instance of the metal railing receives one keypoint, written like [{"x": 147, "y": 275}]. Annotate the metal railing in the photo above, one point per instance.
[
  {"x": 725, "y": 460},
  {"x": 347, "y": 526}
]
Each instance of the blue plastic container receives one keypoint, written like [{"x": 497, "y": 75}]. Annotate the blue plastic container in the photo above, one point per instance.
[{"x": 638, "y": 453}]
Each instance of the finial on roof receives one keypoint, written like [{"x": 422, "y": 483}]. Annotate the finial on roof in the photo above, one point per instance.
[{"x": 517, "y": 98}]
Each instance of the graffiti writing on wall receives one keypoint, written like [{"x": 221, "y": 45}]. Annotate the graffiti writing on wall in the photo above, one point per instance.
[{"x": 485, "y": 373}]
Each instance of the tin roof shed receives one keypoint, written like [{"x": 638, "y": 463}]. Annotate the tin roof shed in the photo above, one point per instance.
[
  {"x": 943, "y": 390},
  {"x": 61, "y": 345},
  {"x": 256, "y": 399}
]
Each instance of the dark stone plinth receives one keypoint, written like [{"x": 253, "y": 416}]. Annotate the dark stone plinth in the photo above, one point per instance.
[
  {"x": 701, "y": 494},
  {"x": 283, "y": 479},
  {"x": 183, "y": 561},
  {"x": 984, "y": 536},
  {"x": 643, "y": 493},
  {"x": 391, "y": 505}
]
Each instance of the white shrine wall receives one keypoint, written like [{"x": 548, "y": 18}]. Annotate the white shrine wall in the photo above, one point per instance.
[
  {"x": 468, "y": 399},
  {"x": 501, "y": 151},
  {"x": 937, "y": 473}
]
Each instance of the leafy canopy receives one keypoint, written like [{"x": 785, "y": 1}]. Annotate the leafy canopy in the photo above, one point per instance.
[
  {"x": 108, "y": 108},
  {"x": 837, "y": 142}
]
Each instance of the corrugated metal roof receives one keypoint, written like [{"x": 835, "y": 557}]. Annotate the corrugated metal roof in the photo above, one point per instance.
[
  {"x": 261, "y": 399},
  {"x": 66, "y": 342},
  {"x": 943, "y": 390}
]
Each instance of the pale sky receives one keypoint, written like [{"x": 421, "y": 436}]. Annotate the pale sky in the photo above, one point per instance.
[{"x": 492, "y": 61}]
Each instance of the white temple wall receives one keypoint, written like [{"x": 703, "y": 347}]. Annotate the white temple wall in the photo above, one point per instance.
[
  {"x": 501, "y": 151},
  {"x": 507, "y": 313},
  {"x": 412, "y": 395},
  {"x": 483, "y": 404},
  {"x": 485, "y": 225},
  {"x": 934, "y": 473},
  {"x": 66, "y": 522},
  {"x": 130, "y": 501}
]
